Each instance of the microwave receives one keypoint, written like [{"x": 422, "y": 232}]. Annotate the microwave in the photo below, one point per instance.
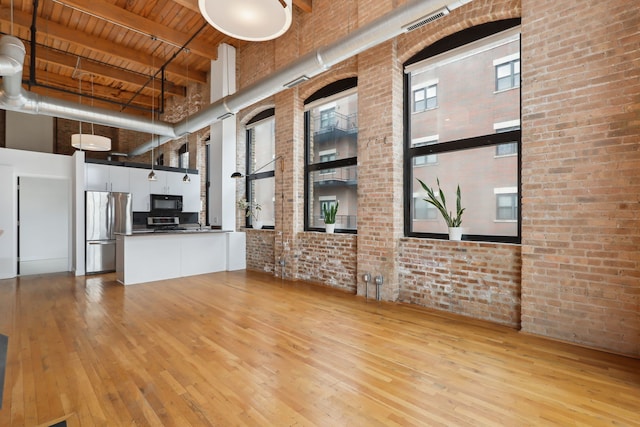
[{"x": 166, "y": 204}]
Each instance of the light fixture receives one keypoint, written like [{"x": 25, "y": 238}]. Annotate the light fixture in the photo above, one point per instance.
[
  {"x": 186, "y": 178},
  {"x": 88, "y": 141},
  {"x": 251, "y": 20},
  {"x": 240, "y": 175},
  {"x": 152, "y": 175}
]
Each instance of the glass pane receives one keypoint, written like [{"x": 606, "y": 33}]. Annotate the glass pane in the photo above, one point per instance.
[
  {"x": 468, "y": 105},
  {"x": 262, "y": 146},
  {"x": 479, "y": 173},
  {"x": 262, "y": 191},
  {"x": 339, "y": 185},
  {"x": 334, "y": 129}
]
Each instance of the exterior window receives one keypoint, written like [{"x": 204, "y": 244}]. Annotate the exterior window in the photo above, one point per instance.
[
  {"x": 183, "y": 157},
  {"x": 508, "y": 74},
  {"x": 425, "y": 98},
  {"x": 260, "y": 178},
  {"x": 160, "y": 159},
  {"x": 506, "y": 207},
  {"x": 509, "y": 148},
  {"x": 331, "y": 145},
  {"x": 423, "y": 210},
  {"x": 473, "y": 135}
]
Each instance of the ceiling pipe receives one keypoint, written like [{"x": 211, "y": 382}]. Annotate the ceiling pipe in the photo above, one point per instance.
[{"x": 403, "y": 19}]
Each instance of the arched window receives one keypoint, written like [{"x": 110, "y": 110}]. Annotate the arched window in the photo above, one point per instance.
[
  {"x": 331, "y": 155},
  {"x": 261, "y": 146},
  {"x": 462, "y": 118}
]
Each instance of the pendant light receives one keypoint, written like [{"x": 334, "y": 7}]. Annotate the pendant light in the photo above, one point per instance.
[
  {"x": 152, "y": 175},
  {"x": 88, "y": 141},
  {"x": 186, "y": 178},
  {"x": 251, "y": 20}
]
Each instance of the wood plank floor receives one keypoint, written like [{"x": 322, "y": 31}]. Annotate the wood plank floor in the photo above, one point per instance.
[{"x": 246, "y": 349}]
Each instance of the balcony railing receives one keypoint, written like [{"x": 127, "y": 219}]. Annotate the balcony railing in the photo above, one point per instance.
[
  {"x": 335, "y": 121},
  {"x": 338, "y": 175}
]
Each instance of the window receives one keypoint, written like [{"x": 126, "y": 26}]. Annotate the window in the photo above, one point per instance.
[
  {"x": 183, "y": 157},
  {"x": 423, "y": 210},
  {"x": 260, "y": 166},
  {"x": 160, "y": 159},
  {"x": 507, "y": 207},
  {"x": 472, "y": 138},
  {"x": 331, "y": 145},
  {"x": 509, "y": 148},
  {"x": 507, "y": 72},
  {"x": 425, "y": 98}
]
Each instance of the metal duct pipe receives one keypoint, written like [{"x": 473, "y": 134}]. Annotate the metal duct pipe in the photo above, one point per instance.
[
  {"x": 405, "y": 18},
  {"x": 14, "y": 98}
]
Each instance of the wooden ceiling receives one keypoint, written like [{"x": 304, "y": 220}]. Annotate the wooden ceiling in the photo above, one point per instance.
[{"x": 105, "y": 52}]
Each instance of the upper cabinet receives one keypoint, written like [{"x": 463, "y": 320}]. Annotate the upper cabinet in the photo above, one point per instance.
[
  {"x": 106, "y": 178},
  {"x": 133, "y": 180}
]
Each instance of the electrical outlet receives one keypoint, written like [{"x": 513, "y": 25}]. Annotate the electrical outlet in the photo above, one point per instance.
[{"x": 366, "y": 277}]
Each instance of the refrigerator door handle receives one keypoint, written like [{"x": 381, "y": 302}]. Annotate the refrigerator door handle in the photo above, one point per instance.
[{"x": 103, "y": 242}]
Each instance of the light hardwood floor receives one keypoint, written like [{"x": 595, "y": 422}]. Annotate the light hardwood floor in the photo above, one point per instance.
[{"x": 246, "y": 349}]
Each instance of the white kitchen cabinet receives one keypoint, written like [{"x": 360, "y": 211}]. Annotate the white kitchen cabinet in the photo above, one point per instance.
[
  {"x": 159, "y": 186},
  {"x": 139, "y": 186},
  {"x": 106, "y": 178},
  {"x": 191, "y": 193},
  {"x": 132, "y": 180}
]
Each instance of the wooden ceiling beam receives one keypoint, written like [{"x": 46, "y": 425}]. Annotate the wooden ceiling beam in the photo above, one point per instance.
[
  {"x": 62, "y": 59},
  {"x": 91, "y": 42},
  {"x": 68, "y": 89},
  {"x": 123, "y": 17},
  {"x": 304, "y": 5}
]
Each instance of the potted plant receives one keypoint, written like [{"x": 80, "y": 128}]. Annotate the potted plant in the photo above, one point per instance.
[
  {"x": 252, "y": 210},
  {"x": 329, "y": 214},
  {"x": 439, "y": 201}
]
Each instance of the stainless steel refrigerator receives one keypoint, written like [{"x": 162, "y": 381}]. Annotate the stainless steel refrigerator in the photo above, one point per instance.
[{"x": 107, "y": 213}]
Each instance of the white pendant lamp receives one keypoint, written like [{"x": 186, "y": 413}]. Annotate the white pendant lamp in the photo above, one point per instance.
[
  {"x": 252, "y": 20},
  {"x": 88, "y": 141}
]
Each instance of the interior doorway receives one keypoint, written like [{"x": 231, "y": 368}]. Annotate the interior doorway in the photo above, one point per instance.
[{"x": 44, "y": 214}]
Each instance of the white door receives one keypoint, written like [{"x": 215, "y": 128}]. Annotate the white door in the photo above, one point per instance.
[{"x": 44, "y": 217}]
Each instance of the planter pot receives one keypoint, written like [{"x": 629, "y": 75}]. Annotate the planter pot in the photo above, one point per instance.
[
  {"x": 257, "y": 224},
  {"x": 455, "y": 233},
  {"x": 329, "y": 228}
]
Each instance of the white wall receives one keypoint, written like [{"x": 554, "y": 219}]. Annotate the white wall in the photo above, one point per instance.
[
  {"x": 15, "y": 163},
  {"x": 29, "y": 132}
]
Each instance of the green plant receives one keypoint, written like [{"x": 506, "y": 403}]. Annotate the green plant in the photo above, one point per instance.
[
  {"x": 251, "y": 209},
  {"x": 329, "y": 213},
  {"x": 441, "y": 204}
]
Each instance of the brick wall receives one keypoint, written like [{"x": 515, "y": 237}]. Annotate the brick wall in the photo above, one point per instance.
[
  {"x": 480, "y": 280},
  {"x": 329, "y": 259},
  {"x": 260, "y": 252},
  {"x": 579, "y": 259},
  {"x": 581, "y": 172}
]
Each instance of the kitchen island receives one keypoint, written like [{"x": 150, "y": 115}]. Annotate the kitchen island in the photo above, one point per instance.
[{"x": 146, "y": 256}]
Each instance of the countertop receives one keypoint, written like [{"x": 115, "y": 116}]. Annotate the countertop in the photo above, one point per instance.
[{"x": 148, "y": 232}]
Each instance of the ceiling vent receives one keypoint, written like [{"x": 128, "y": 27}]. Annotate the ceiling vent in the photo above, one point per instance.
[{"x": 425, "y": 20}]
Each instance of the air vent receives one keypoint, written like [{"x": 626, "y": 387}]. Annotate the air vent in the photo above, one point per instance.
[
  {"x": 296, "y": 82},
  {"x": 424, "y": 21}
]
